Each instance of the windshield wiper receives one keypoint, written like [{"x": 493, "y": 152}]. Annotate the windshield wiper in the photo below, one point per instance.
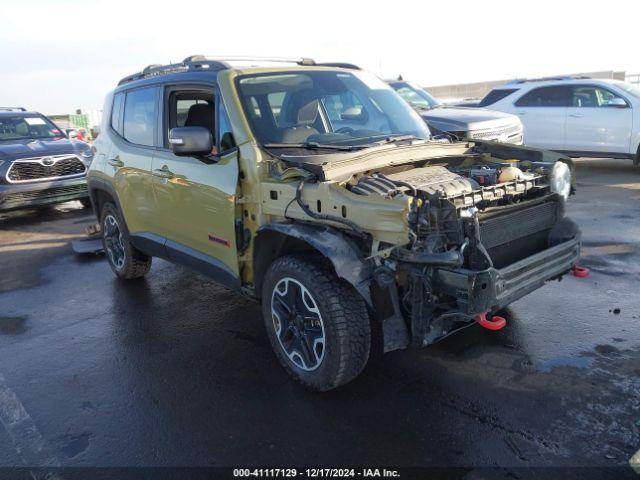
[
  {"x": 313, "y": 146},
  {"x": 396, "y": 139}
]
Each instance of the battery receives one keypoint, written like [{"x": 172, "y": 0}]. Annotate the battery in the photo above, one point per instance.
[{"x": 484, "y": 176}]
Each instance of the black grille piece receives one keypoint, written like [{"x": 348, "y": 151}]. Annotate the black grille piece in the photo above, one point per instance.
[
  {"x": 24, "y": 171},
  {"x": 502, "y": 229},
  {"x": 44, "y": 194}
]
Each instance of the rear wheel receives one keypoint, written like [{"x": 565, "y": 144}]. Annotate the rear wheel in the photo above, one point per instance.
[
  {"x": 318, "y": 325},
  {"x": 125, "y": 260}
]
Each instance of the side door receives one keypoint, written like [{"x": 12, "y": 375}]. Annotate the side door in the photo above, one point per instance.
[
  {"x": 196, "y": 195},
  {"x": 543, "y": 114},
  {"x": 133, "y": 129},
  {"x": 598, "y": 120}
]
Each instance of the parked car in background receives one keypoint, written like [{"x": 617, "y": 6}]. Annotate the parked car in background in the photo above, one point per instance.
[
  {"x": 583, "y": 117},
  {"x": 464, "y": 123},
  {"x": 39, "y": 163}
]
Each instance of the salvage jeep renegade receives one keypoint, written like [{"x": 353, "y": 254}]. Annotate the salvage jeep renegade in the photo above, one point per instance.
[{"x": 316, "y": 190}]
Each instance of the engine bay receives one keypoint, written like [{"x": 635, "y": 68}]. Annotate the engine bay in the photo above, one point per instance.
[
  {"x": 438, "y": 181},
  {"x": 471, "y": 217},
  {"x": 468, "y": 214}
]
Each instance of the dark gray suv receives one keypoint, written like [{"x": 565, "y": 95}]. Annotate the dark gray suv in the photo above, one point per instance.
[{"x": 39, "y": 163}]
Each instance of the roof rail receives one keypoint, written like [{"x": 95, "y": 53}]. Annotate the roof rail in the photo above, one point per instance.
[
  {"x": 194, "y": 62},
  {"x": 202, "y": 62},
  {"x": 350, "y": 66},
  {"x": 13, "y": 109},
  {"x": 546, "y": 79},
  {"x": 243, "y": 58}
]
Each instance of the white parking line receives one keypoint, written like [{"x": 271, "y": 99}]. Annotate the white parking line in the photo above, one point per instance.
[{"x": 31, "y": 446}]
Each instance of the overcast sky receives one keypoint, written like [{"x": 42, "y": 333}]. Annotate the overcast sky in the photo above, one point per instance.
[{"x": 56, "y": 56}]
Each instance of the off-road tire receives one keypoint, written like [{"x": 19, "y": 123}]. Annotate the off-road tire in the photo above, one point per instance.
[
  {"x": 136, "y": 264},
  {"x": 344, "y": 316}
]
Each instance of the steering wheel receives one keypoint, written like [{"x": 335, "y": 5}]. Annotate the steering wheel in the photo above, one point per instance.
[{"x": 345, "y": 130}]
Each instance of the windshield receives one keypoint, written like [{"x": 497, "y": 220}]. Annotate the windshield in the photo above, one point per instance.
[
  {"x": 327, "y": 108},
  {"x": 415, "y": 96},
  {"x": 29, "y": 127},
  {"x": 629, "y": 88}
]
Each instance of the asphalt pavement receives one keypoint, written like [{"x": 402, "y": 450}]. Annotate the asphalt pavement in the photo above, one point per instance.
[{"x": 173, "y": 370}]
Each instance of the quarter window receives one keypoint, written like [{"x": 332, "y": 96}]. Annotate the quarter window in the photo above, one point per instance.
[
  {"x": 495, "y": 96},
  {"x": 116, "y": 112},
  {"x": 225, "y": 136},
  {"x": 556, "y": 96},
  {"x": 140, "y": 112}
]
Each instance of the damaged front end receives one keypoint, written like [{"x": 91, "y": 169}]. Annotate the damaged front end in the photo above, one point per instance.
[{"x": 482, "y": 236}]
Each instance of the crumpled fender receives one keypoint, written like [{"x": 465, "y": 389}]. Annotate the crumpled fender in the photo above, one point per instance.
[{"x": 341, "y": 251}]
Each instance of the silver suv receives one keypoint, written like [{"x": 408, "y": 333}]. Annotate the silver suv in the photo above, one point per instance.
[{"x": 462, "y": 122}]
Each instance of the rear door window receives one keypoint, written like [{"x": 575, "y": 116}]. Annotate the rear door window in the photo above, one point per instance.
[
  {"x": 553, "y": 96},
  {"x": 140, "y": 116}
]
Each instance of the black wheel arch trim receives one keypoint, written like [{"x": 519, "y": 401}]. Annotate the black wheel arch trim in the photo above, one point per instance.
[
  {"x": 96, "y": 184},
  {"x": 345, "y": 256}
]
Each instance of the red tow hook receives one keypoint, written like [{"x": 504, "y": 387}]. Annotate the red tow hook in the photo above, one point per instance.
[
  {"x": 496, "y": 322},
  {"x": 580, "y": 272}
]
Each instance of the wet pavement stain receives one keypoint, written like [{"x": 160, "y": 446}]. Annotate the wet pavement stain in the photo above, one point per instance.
[
  {"x": 607, "y": 350},
  {"x": 577, "y": 362},
  {"x": 13, "y": 325},
  {"x": 74, "y": 444}
]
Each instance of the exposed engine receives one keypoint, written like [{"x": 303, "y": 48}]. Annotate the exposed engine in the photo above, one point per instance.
[
  {"x": 480, "y": 208},
  {"x": 474, "y": 217},
  {"x": 448, "y": 182},
  {"x": 430, "y": 180}
]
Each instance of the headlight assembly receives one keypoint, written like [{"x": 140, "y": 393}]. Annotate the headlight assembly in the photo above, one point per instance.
[
  {"x": 560, "y": 179},
  {"x": 87, "y": 155}
]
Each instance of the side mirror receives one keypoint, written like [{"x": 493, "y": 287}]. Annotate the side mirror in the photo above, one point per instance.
[
  {"x": 190, "y": 141},
  {"x": 354, "y": 114},
  {"x": 617, "y": 102},
  {"x": 71, "y": 132}
]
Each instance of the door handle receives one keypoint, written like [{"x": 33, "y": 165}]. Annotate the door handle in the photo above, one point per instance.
[
  {"x": 576, "y": 115},
  {"x": 163, "y": 173},
  {"x": 522, "y": 114},
  {"x": 115, "y": 162}
]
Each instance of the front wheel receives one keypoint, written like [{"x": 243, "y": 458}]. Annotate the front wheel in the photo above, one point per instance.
[
  {"x": 125, "y": 260},
  {"x": 318, "y": 324}
]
